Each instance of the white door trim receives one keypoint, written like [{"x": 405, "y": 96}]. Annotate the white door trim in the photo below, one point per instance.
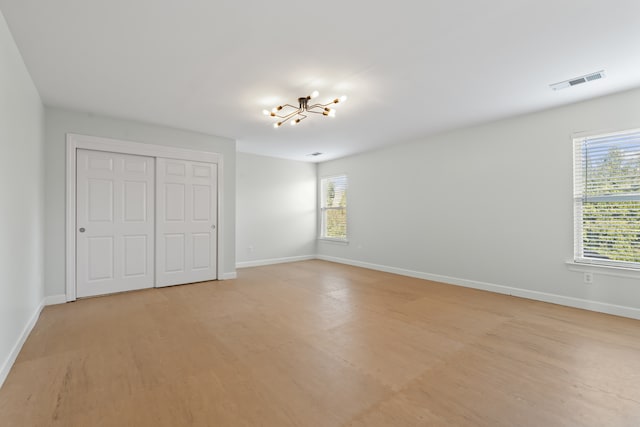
[{"x": 75, "y": 141}]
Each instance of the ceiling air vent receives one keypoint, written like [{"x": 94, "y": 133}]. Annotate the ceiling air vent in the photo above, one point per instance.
[
  {"x": 578, "y": 80},
  {"x": 314, "y": 154}
]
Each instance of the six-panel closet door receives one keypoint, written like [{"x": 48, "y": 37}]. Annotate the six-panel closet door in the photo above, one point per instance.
[
  {"x": 114, "y": 222},
  {"x": 186, "y": 221}
]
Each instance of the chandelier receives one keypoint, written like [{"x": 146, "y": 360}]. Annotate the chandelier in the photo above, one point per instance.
[{"x": 297, "y": 114}]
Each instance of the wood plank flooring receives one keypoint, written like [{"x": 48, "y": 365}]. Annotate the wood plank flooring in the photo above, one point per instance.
[{"x": 321, "y": 344}]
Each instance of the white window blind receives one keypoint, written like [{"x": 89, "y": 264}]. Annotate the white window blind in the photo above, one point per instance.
[
  {"x": 607, "y": 199},
  {"x": 333, "y": 207}
]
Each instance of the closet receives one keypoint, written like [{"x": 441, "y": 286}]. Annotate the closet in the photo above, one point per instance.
[{"x": 141, "y": 221}]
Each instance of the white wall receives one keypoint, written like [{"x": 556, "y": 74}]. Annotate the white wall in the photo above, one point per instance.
[
  {"x": 276, "y": 209},
  {"x": 60, "y": 122},
  {"x": 21, "y": 200},
  {"x": 484, "y": 206}
]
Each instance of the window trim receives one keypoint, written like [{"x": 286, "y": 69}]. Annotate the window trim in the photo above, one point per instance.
[
  {"x": 579, "y": 262},
  {"x": 607, "y": 270},
  {"x": 321, "y": 210}
]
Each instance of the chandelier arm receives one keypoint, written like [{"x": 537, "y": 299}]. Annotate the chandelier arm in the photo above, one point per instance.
[
  {"x": 288, "y": 116},
  {"x": 319, "y": 105},
  {"x": 296, "y": 121},
  {"x": 286, "y": 119},
  {"x": 315, "y": 112},
  {"x": 282, "y": 107}
]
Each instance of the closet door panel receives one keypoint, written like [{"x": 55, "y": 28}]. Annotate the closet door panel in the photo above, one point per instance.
[
  {"x": 114, "y": 222},
  {"x": 186, "y": 223}
]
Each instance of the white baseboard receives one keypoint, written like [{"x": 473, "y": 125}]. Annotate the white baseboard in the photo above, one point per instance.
[
  {"x": 55, "y": 299},
  {"x": 229, "y": 276},
  {"x": 13, "y": 355},
  {"x": 601, "y": 307},
  {"x": 260, "y": 262}
]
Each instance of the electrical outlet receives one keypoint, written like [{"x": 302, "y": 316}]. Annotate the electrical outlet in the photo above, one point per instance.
[{"x": 588, "y": 278}]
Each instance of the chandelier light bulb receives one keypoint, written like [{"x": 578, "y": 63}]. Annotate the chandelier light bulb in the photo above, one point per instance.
[
  {"x": 314, "y": 94},
  {"x": 343, "y": 98},
  {"x": 266, "y": 112},
  {"x": 332, "y": 113},
  {"x": 277, "y": 125}
]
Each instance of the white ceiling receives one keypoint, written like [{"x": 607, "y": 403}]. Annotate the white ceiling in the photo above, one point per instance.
[{"x": 409, "y": 68}]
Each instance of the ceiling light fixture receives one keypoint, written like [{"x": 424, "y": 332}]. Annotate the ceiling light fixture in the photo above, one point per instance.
[{"x": 297, "y": 114}]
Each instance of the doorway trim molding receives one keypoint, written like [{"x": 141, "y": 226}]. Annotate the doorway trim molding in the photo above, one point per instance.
[{"x": 75, "y": 141}]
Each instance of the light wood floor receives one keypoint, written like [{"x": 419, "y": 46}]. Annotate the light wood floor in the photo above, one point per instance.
[{"x": 321, "y": 344}]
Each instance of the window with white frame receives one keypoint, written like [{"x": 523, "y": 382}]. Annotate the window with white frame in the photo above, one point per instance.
[
  {"x": 607, "y": 199},
  {"x": 333, "y": 207}
]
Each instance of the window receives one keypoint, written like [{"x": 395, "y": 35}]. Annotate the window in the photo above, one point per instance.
[
  {"x": 333, "y": 207},
  {"x": 607, "y": 199}
]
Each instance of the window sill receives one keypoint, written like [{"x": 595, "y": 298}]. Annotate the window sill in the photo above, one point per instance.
[
  {"x": 603, "y": 269},
  {"x": 334, "y": 241}
]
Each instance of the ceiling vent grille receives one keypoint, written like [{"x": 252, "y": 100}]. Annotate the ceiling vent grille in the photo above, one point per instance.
[{"x": 578, "y": 80}]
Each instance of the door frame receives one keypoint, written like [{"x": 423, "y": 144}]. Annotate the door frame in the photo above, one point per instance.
[{"x": 75, "y": 141}]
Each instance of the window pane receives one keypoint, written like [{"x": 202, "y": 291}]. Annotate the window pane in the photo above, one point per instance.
[
  {"x": 612, "y": 169},
  {"x": 336, "y": 220},
  {"x": 611, "y": 231},
  {"x": 335, "y": 192}
]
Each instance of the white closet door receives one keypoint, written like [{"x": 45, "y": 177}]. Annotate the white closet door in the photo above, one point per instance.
[
  {"x": 186, "y": 221},
  {"x": 114, "y": 222}
]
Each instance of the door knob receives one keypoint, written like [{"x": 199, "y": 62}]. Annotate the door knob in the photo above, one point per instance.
[
  {"x": 213, "y": 227},
  {"x": 81, "y": 229}
]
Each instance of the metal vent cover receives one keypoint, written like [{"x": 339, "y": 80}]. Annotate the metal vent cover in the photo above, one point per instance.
[{"x": 578, "y": 80}]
